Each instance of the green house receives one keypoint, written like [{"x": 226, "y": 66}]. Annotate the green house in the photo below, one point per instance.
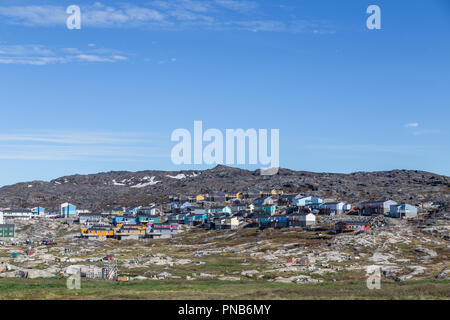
[
  {"x": 147, "y": 219},
  {"x": 271, "y": 209},
  {"x": 6, "y": 231}
]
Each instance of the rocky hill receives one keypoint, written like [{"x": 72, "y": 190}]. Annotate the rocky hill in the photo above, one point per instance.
[{"x": 123, "y": 188}]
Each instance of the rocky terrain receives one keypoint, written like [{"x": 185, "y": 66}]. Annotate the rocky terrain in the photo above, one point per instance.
[
  {"x": 123, "y": 188},
  {"x": 401, "y": 250}
]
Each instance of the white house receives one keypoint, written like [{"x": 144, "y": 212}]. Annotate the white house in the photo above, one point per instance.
[
  {"x": 268, "y": 201},
  {"x": 226, "y": 223},
  {"x": 19, "y": 214},
  {"x": 334, "y": 206},
  {"x": 302, "y": 219},
  {"x": 403, "y": 210}
]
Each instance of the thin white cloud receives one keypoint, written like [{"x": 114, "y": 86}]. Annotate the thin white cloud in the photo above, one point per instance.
[
  {"x": 93, "y": 58},
  {"x": 172, "y": 15},
  {"x": 40, "y": 55},
  {"x": 239, "y": 6},
  {"x": 70, "y": 137},
  {"x": 65, "y": 145},
  {"x": 79, "y": 153},
  {"x": 119, "y": 58},
  {"x": 415, "y": 125},
  {"x": 424, "y": 132},
  {"x": 367, "y": 148},
  {"x": 34, "y": 15}
]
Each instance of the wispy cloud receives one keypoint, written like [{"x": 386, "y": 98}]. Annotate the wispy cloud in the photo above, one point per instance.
[
  {"x": 417, "y": 132},
  {"x": 41, "y": 55},
  {"x": 65, "y": 145},
  {"x": 80, "y": 153},
  {"x": 357, "y": 148},
  {"x": 424, "y": 132},
  {"x": 172, "y": 15},
  {"x": 71, "y": 137}
]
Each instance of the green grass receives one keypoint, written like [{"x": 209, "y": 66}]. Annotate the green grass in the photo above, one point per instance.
[{"x": 213, "y": 289}]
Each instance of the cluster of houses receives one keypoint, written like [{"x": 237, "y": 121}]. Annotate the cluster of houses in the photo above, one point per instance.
[{"x": 221, "y": 211}]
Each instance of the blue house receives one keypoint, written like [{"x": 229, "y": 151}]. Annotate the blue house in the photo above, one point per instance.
[
  {"x": 308, "y": 201},
  {"x": 195, "y": 219},
  {"x": 186, "y": 204},
  {"x": 67, "y": 209},
  {"x": 38, "y": 211},
  {"x": 279, "y": 221},
  {"x": 119, "y": 219},
  {"x": 132, "y": 210}
]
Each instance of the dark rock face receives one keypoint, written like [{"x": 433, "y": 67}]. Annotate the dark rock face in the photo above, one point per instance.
[{"x": 123, "y": 188}]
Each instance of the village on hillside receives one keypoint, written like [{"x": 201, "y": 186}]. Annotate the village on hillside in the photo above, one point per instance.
[
  {"x": 272, "y": 208},
  {"x": 304, "y": 237}
]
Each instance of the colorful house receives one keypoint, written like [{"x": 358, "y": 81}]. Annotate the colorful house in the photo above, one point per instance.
[
  {"x": 67, "y": 209},
  {"x": 133, "y": 210},
  {"x": 97, "y": 231},
  {"x": 348, "y": 226},
  {"x": 240, "y": 195},
  {"x": 200, "y": 197},
  {"x": 195, "y": 219},
  {"x": 278, "y": 221},
  {"x": 219, "y": 209},
  {"x": 163, "y": 230},
  {"x": 403, "y": 210},
  {"x": 308, "y": 201},
  {"x": 38, "y": 211},
  {"x": 147, "y": 219},
  {"x": 261, "y": 219},
  {"x": 125, "y": 219},
  {"x": 114, "y": 211},
  {"x": 269, "y": 209}
]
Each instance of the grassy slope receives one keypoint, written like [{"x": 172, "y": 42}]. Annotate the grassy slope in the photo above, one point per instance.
[{"x": 212, "y": 289}]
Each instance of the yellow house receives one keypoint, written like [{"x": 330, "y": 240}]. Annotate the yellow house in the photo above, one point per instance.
[
  {"x": 200, "y": 197},
  {"x": 85, "y": 232},
  {"x": 276, "y": 192},
  {"x": 239, "y": 195}
]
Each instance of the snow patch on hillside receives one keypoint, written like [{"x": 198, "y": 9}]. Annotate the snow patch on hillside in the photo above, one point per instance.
[
  {"x": 117, "y": 183},
  {"x": 183, "y": 176},
  {"x": 178, "y": 176},
  {"x": 146, "y": 184}
]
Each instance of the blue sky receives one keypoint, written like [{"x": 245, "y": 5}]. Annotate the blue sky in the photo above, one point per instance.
[{"x": 108, "y": 96}]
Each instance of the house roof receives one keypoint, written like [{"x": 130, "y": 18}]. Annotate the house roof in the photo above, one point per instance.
[{"x": 89, "y": 215}]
